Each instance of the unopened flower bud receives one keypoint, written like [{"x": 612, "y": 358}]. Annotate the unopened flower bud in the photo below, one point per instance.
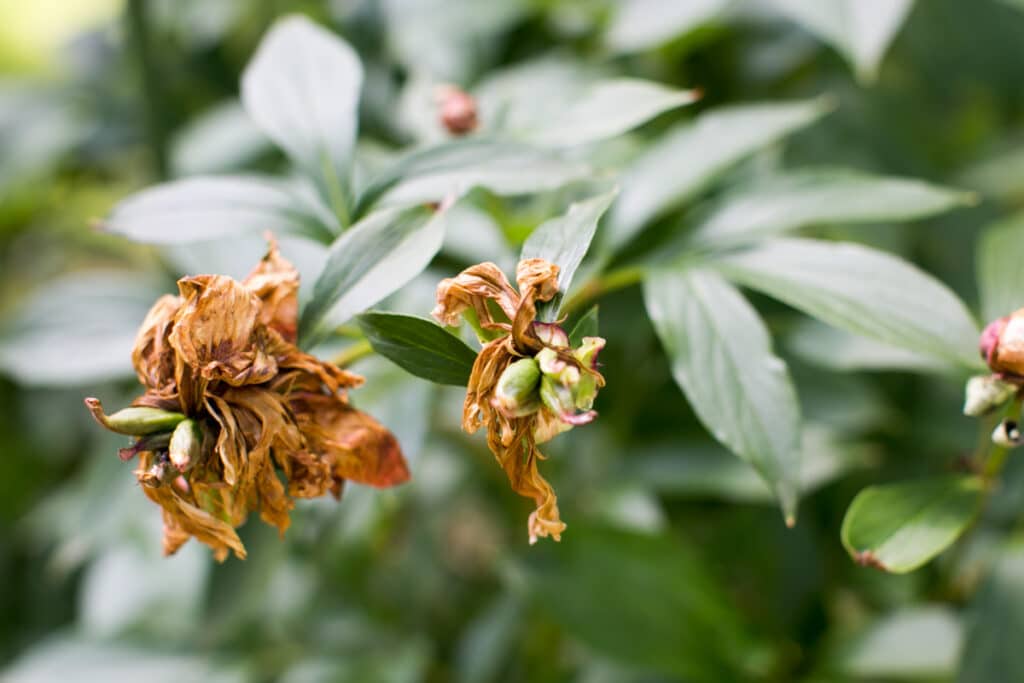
[
  {"x": 1002, "y": 344},
  {"x": 561, "y": 400},
  {"x": 186, "y": 445},
  {"x": 458, "y": 110},
  {"x": 515, "y": 394},
  {"x": 1007, "y": 434},
  {"x": 985, "y": 393},
  {"x": 135, "y": 421}
]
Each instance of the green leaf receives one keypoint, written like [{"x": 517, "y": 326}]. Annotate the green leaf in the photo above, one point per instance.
[
  {"x": 860, "y": 31},
  {"x": 77, "y": 330},
  {"x": 722, "y": 359},
  {"x": 302, "y": 89},
  {"x": 586, "y": 326},
  {"x": 434, "y": 173},
  {"x": 1000, "y": 277},
  {"x": 606, "y": 109},
  {"x": 641, "y": 24},
  {"x": 861, "y": 290},
  {"x": 808, "y": 198},
  {"x": 666, "y": 612},
  {"x": 899, "y": 527},
  {"x": 995, "y": 620},
  {"x": 220, "y": 140},
  {"x": 207, "y": 208},
  {"x": 419, "y": 346},
  {"x": 368, "y": 262},
  {"x": 564, "y": 241},
  {"x": 828, "y": 347},
  {"x": 684, "y": 161},
  {"x": 911, "y": 643}
]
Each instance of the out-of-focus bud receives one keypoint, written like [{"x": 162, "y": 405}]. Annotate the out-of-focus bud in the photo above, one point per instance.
[
  {"x": 515, "y": 394},
  {"x": 1007, "y": 434},
  {"x": 560, "y": 399},
  {"x": 1002, "y": 344},
  {"x": 585, "y": 390},
  {"x": 186, "y": 445},
  {"x": 458, "y": 110},
  {"x": 136, "y": 421},
  {"x": 551, "y": 334},
  {"x": 985, "y": 393}
]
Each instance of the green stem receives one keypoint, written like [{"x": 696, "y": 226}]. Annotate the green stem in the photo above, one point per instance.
[
  {"x": 137, "y": 21},
  {"x": 601, "y": 285},
  {"x": 351, "y": 354}
]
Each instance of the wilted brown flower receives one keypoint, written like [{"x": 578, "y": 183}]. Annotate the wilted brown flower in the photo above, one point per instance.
[
  {"x": 256, "y": 422},
  {"x": 527, "y": 384}
]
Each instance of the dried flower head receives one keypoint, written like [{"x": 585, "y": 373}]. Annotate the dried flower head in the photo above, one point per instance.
[
  {"x": 235, "y": 418},
  {"x": 527, "y": 385}
]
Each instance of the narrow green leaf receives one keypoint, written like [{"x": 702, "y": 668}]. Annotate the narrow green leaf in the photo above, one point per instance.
[
  {"x": 995, "y": 620},
  {"x": 606, "y": 109},
  {"x": 899, "y": 527},
  {"x": 419, "y": 346},
  {"x": 667, "y": 613},
  {"x": 722, "y": 359},
  {"x": 861, "y": 290},
  {"x": 209, "y": 207},
  {"x": 688, "y": 158},
  {"x": 564, "y": 241},
  {"x": 807, "y": 198},
  {"x": 302, "y": 88},
  {"x": 586, "y": 326},
  {"x": 1000, "y": 276},
  {"x": 455, "y": 167},
  {"x": 861, "y": 31},
  {"x": 642, "y": 24},
  {"x": 368, "y": 262}
]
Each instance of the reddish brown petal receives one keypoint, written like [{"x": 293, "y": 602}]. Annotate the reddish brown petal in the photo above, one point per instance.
[
  {"x": 152, "y": 355},
  {"x": 276, "y": 282}
]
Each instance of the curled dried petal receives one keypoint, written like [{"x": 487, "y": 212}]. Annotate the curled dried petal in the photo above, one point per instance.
[
  {"x": 152, "y": 356},
  {"x": 186, "y": 518},
  {"x": 276, "y": 282},
  {"x": 472, "y": 289}
]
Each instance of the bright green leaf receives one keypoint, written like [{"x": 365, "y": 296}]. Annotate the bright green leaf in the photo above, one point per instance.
[
  {"x": 586, "y": 326},
  {"x": 207, "y": 208},
  {"x": 368, "y": 262},
  {"x": 1000, "y": 276},
  {"x": 606, "y": 109},
  {"x": 861, "y": 30},
  {"x": 419, "y": 346},
  {"x": 641, "y": 24},
  {"x": 899, "y": 527},
  {"x": 722, "y": 359},
  {"x": 689, "y": 157},
  {"x": 995, "y": 620},
  {"x": 302, "y": 88},
  {"x": 861, "y": 290},
  {"x": 564, "y": 241},
  {"x": 814, "y": 197}
]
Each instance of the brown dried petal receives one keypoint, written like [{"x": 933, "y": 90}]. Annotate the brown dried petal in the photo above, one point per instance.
[
  {"x": 276, "y": 282},
  {"x": 473, "y": 288},
  {"x": 152, "y": 355},
  {"x": 538, "y": 281},
  {"x": 188, "y": 519}
]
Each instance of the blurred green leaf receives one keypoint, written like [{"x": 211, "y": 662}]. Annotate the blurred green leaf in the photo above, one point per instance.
[
  {"x": 302, "y": 89},
  {"x": 78, "y": 329},
  {"x": 861, "y": 30},
  {"x": 488, "y": 639},
  {"x": 722, "y": 359},
  {"x": 804, "y": 198},
  {"x": 564, "y": 241},
  {"x": 368, "y": 262},
  {"x": 666, "y": 612},
  {"x": 222, "y": 139},
  {"x": 586, "y": 326},
  {"x": 209, "y": 207},
  {"x": 1000, "y": 276},
  {"x": 862, "y": 290},
  {"x": 835, "y": 349},
  {"x": 899, "y": 527},
  {"x": 995, "y": 619},
  {"x": 641, "y": 24},
  {"x": 689, "y": 157},
  {"x": 419, "y": 346},
  {"x": 912, "y": 643},
  {"x": 606, "y": 109},
  {"x": 1001, "y": 175}
]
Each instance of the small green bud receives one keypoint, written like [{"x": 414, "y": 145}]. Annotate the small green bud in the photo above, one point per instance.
[
  {"x": 135, "y": 421},
  {"x": 516, "y": 392},
  {"x": 985, "y": 393},
  {"x": 186, "y": 445},
  {"x": 1007, "y": 434}
]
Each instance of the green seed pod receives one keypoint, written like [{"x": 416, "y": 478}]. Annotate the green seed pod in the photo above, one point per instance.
[
  {"x": 186, "y": 445},
  {"x": 985, "y": 393},
  {"x": 135, "y": 421},
  {"x": 516, "y": 392},
  {"x": 557, "y": 397}
]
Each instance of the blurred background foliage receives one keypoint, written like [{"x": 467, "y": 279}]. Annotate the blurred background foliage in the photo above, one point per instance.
[{"x": 676, "y": 564}]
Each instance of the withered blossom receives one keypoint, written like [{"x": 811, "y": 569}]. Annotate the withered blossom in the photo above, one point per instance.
[
  {"x": 248, "y": 421},
  {"x": 527, "y": 384}
]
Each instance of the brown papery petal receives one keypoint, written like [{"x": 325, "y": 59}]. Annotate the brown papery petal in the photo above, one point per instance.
[
  {"x": 473, "y": 288},
  {"x": 276, "y": 282},
  {"x": 189, "y": 519},
  {"x": 152, "y": 355},
  {"x": 538, "y": 281}
]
